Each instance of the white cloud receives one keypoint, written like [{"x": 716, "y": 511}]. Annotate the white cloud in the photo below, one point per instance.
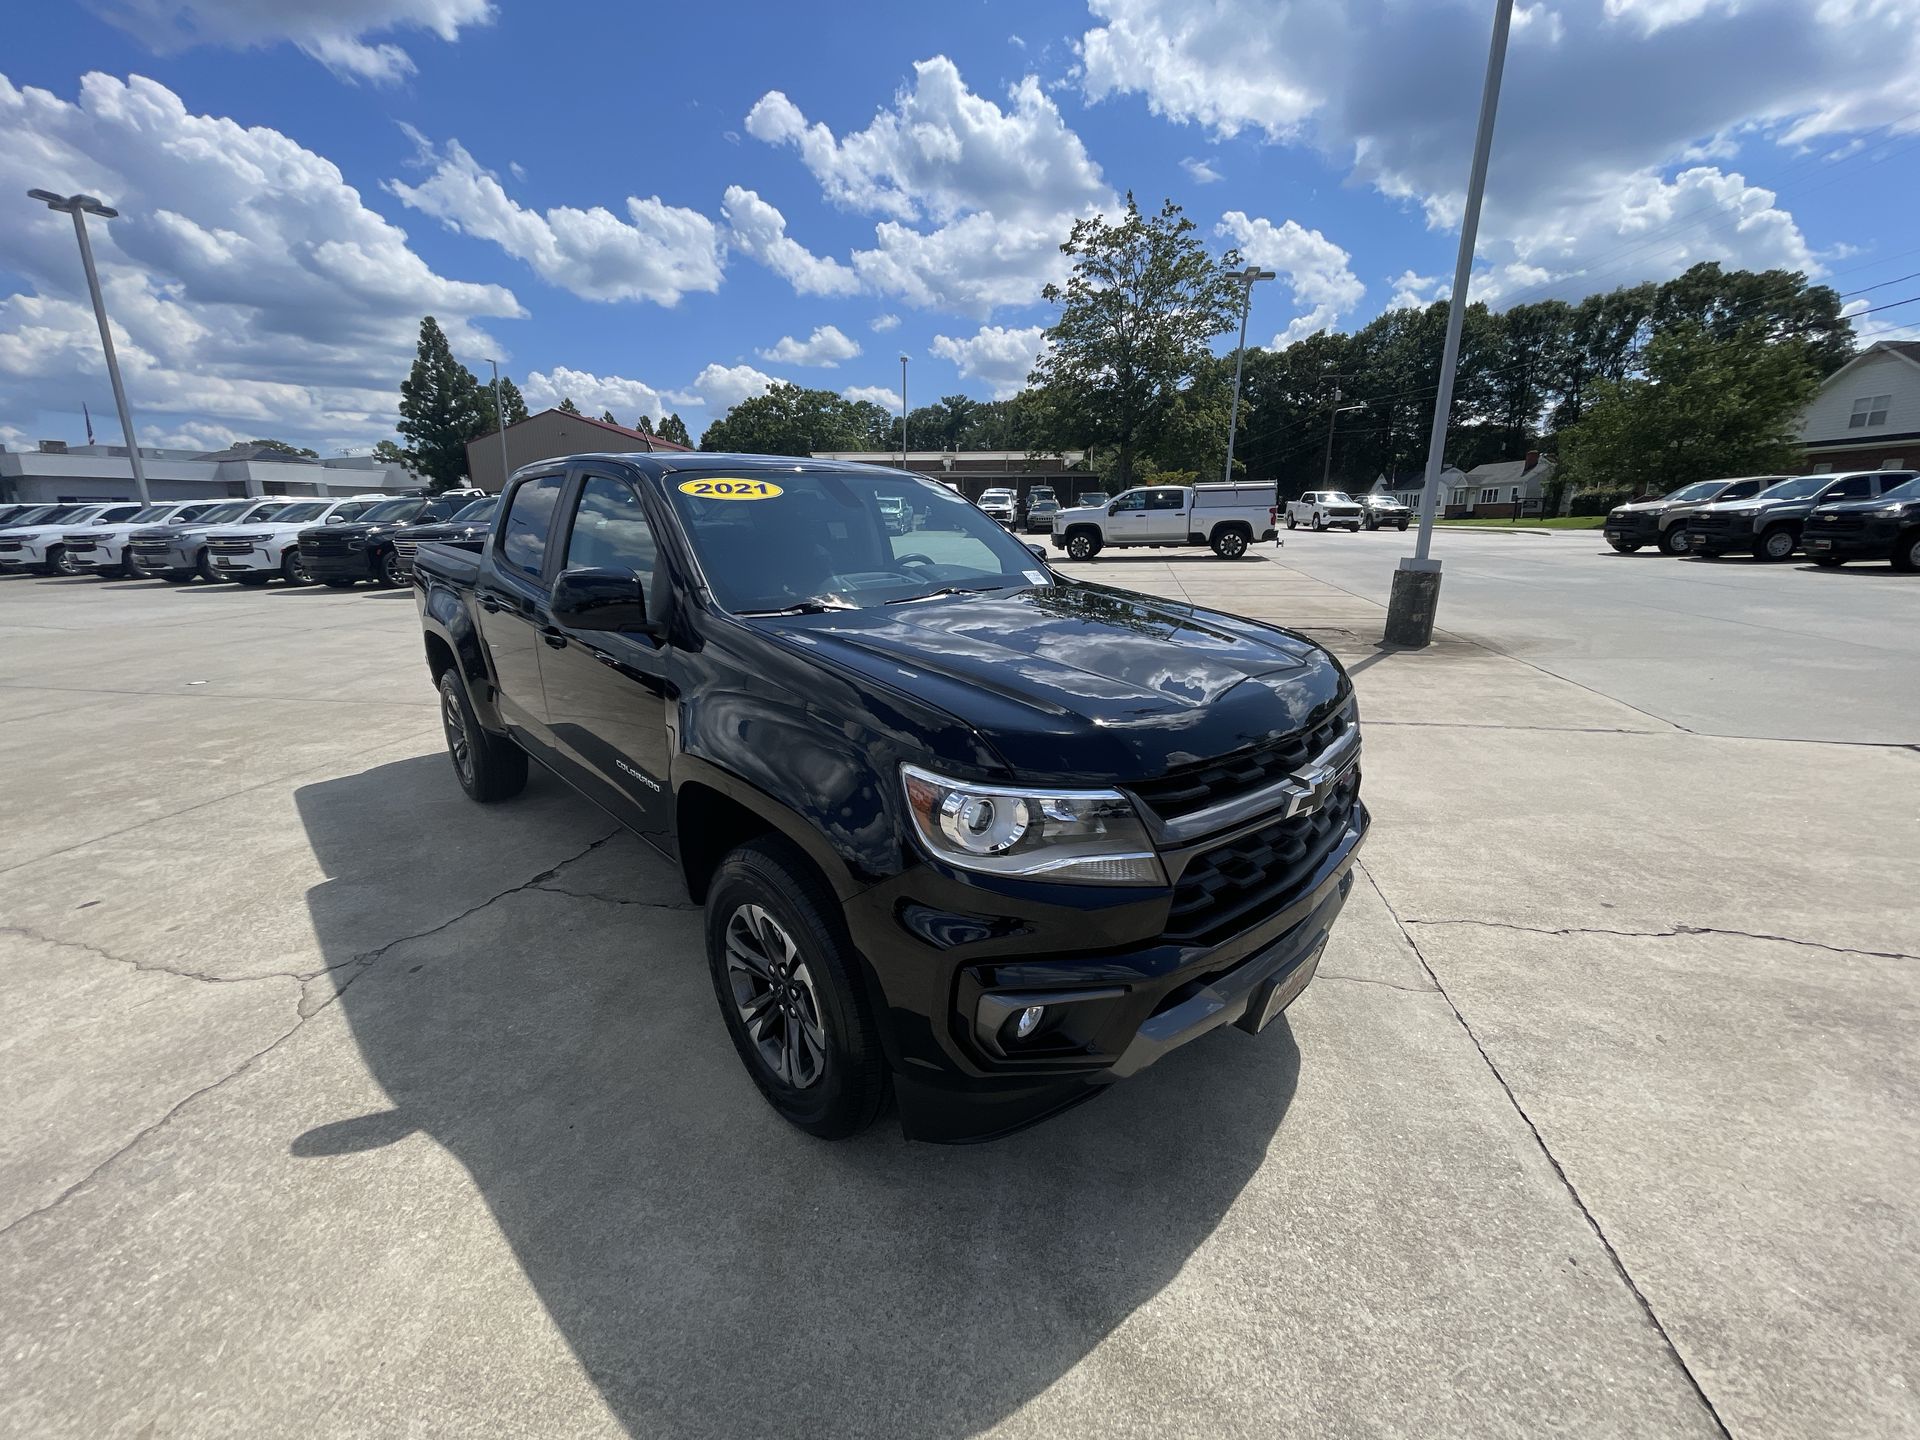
[
  {"x": 659, "y": 253},
  {"x": 1001, "y": 357},
  {"x": 880, "y": 324},
  {"x": 627, "y": 399},
  {"x": 826, "y": 347},
  {"x": 1201, "y": 171},
  {"x": 721, "y": 387},
  {"x": 1319, "y": 272},
  {"x": 247, "y": 283},
  {"x": 875, "y": 394},
  {"x": 760, "y": 231},
  {"x": 999, "y": 186},
  {"x": 1601, "y": 102},
  {"x": 334, "y": 34}
]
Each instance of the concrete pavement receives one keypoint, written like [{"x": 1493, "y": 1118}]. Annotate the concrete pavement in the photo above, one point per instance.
[{"x": 337, "y": 1105}]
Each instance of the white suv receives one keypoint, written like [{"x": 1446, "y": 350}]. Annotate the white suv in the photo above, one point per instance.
[
  {"x": 42, "y": 545},
  {"x": 102, "y": 549},
  {"x": 254, "y": 554},
  {"x": 998, "y": 504}
]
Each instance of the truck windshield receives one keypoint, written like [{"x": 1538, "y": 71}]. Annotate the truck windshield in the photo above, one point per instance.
[
  {"x": 1699, "y": 490},
  {"x": 222, "y": 513},
  {"x": 772, "y": 542},
  {"x": 476, "y": 512},
  {"x": 151, "y": 513},
  {"x": 393, "y": 510},
  {"x": 1796, "y": 489},
  {"x": 301, "y": 512},
  {"x": 1908, "y": 491}
]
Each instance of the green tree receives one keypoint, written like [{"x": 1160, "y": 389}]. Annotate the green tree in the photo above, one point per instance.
[
  {"x": 787, "y": 420},
  {"x": 1776, "y": 305},
  {"x": 1704, "y": 408},
  {"x": 510, "y": 399},
  {"x": 288, "y": 449},
  {"x": 606, "y": 417},
  {"x": 675, "y": 429},
  {"x": 644, "y": 425},
  {"x": 1137, "y": 313},
  {"x": 567, "y": 407},
  {"x": 391, "y": 453},
  {"x": 440, "y": 410}
]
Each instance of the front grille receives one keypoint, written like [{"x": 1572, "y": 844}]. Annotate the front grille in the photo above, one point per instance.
[
  {"x": 1236, "y": 885},
  {"x": 8, "y": 546},
  {"x": 149, "y": 547},
  {"x": 1844, "y": 520},
  {"x": 320, "y": 549},
  {"x": 1710, "y": 522},
  {"x": 78, "y": 542},
  {"x": 230, "y": 547},
  {"x": 1196, "y": 787},
  {"x": 405, "y": 548}
]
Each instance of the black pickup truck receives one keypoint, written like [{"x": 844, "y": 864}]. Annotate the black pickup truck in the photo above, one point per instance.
[
  {"x": 346, "y": 552},
  {"x": 965, "y": 831}
]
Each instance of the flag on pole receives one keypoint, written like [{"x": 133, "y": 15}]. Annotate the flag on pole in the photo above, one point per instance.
[{"x": 89, "y": 414}]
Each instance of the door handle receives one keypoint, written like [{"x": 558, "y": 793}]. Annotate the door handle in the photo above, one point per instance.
[{"x": 556, "y": 639}]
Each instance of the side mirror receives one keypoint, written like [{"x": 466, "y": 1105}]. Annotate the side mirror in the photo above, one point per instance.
[
  {"x": 1114, "y": 508},
  {"x": 588, "y": 599},
  {"x": 1039, "y": 552}
]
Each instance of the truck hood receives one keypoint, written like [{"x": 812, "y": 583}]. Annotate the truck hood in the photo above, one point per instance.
[
  {"x": 1078, "y": 682},
  {"x": 1080, "y": 512},
  {"x": 1655, "y": 507},
  {"x": 1859, "y": 507},
  {"x": 444, "y": 530},
  {"x": 350, "y": 530},
  {"x": 178, "y": 532}
]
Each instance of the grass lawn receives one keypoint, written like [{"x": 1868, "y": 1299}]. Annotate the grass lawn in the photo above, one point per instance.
[{"x": 1552, "y": 522}]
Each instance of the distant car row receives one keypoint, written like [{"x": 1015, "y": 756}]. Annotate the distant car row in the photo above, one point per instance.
[
  {"x": 338, "y": 542},
  {"x": 1853, "y": 515}
]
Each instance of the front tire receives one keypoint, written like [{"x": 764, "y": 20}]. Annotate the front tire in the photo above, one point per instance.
[
  {"x": 1777, "y": 544},
  {"x": 293, "y": 569},
  {"x": 1230, "y": 544},
  {"x": 1673, "y": 540},
  {"x": 180, "y": 577},
  {"x": 253, "y": 581},
  {"x": 1829, "y": 562},
  {"x": 1625, "y": 547},
  {"x": 340, "y": 584},
  {"x": 1402, "y": 525},
  {"x": 1318, "y": 522},
  {"x": 389, "y": 575},
  {"x": 788, "y": 985},
  {"x": 1082, "y": 546},
  {"x": 490, "y": 768},
  {"x": 1906, "y": 553},
  {"x": 59, "y": 562}
]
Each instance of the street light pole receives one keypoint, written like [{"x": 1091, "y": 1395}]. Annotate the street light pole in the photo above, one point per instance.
[
  {"x": 1245, "y": 279},
  {"x": 903, "y": 409},
  {"x": 1416, "y": 584},
  {"x": 500, "y": 419},
  {"x": 1326, "y": 467},
  {"x": 79, "y": 207}
]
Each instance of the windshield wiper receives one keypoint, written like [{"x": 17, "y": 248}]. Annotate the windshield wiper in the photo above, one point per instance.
[
  {"x": 945, "y": 590},
  {"x": 818, "y": 605}
]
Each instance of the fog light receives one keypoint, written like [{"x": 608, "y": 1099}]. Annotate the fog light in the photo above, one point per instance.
[{"x": 1029, "y": 1021}]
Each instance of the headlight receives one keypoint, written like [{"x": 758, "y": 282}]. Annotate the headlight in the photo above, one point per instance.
[{"x": 1089, "y": 836}]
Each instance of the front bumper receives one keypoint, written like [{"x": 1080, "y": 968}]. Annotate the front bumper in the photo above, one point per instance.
[
  {"x": 953, "y": 954},
  {"x": 173, "y": 557},
  {"x": 255, "y": 560},
  {"x": 355, "y": 565},
  {"x": 1632, "y": 529},
  {"x": 97, "y": 557},
  {"x": 1720, "y": 539}
]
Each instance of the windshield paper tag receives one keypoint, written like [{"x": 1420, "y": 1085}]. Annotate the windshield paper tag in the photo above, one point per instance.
[
  {"x": 1034, "y": 577},
  {"x": 731, "y": 489}
]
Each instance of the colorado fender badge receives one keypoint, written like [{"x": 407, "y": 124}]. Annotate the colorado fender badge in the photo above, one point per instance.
[{"x": 735, "y": 489}]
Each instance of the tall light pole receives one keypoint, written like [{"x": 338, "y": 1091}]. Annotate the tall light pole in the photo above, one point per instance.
[
  {"x": 500, "y": 419},
  {"x": 1416, "y": 584},
  {"x": 1245, "y": 279},
  {"x": 79, "y": 207},
  {"x": 1326, "y": 468},
  {"x": 903, "y": 409}
]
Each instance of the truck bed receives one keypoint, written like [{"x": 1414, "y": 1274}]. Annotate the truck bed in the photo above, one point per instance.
[{"x": 455, "y": 563}]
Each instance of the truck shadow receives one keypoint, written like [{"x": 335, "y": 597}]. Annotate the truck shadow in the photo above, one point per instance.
[{"x": 715, "y": 1271}]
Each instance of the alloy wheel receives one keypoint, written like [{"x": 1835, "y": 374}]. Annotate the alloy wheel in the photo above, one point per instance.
[
  {"x": 775, "y": 996},
  {"x": 63, "y": 562},
  {"x": 459, "y": 746},
  {"x": 1779, "y": 544}
]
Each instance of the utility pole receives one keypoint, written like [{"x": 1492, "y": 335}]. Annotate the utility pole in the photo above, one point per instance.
[
  {"x": 500, "y": 420},
  {"x": 1245, "y": 279},
  {"x": 1326, "y": 467},
  {"x": 1416, "y": 584},
  {"x": 903, "y": 409},
  {"x": 79, "y": 207}
]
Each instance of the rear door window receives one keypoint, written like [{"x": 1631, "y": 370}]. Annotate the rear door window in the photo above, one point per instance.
[{"x": 523, "y": 541}]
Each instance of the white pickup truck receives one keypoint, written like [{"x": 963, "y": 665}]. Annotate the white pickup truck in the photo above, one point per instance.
[
  {"x": 1325, "y": 509},
  {"x": 1227, "y": 517},
  {"x": 254, "y": 554}
]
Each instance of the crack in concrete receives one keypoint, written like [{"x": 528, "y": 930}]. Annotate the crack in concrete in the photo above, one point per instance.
[
  {"x": 1677, "y": 930},
  {"x": 363, "y": 961},
  {"x": 1320, "y": 975},
  {"x": 617, "y": 900},
  {"x": 154, "y": 967},
  {"x": 1566, "y": 1181}
]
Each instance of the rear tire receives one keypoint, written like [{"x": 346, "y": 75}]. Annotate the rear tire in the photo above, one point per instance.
[
  {"x": 1230, "y": 543},
  {"x": 490, "y": 768},
  {"x": 1292, "y": 524},
  {"x": 1673, "y": 540},
  {"x": 788, "y": 984}
]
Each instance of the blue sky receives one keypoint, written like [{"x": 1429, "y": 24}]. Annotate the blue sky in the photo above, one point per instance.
[{"x": 664, "y": 211}]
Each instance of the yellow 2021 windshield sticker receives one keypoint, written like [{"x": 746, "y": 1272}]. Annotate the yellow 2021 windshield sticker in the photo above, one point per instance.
[{"x": 734, "y": 489}]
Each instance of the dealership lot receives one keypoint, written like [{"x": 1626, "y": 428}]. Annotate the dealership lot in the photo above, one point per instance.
[{"x": 336, "y": 1104}]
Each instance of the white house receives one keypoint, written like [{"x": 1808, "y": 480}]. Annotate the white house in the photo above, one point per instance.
[
  {"x": 1406, "y": 486},
  {"x": 1867, "y": 413},
  {"x": 1502, "y": 489}
]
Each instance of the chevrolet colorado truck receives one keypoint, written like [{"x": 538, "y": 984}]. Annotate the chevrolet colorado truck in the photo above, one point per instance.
[
  {"x": 1663, "y": 522},
  {"x": 966, "y": 832},
  {"x": 470, "y": 523},
  {"x": 1769, "y": 524},
  {"x": 1226, "y": 517},
  {"x": 1886, "y": 528},
  {"x": 1324, "y": 510}
]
